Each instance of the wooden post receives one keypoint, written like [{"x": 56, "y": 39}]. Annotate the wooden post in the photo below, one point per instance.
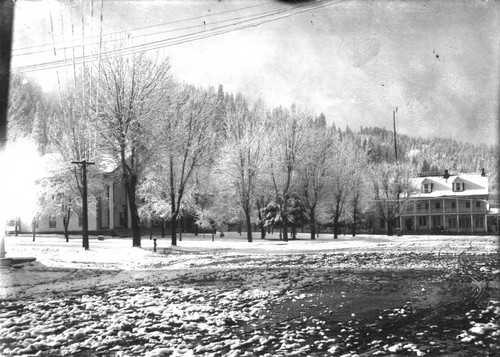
[
  {"x": 430, "y": 216},
  {"x": 471, "y": 217},
  {"x": 85, "y": 221}
]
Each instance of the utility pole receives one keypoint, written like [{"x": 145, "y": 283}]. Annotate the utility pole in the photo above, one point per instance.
[
  {"x": 85, "y": 221},
  {"x": 394, "y": 111}
]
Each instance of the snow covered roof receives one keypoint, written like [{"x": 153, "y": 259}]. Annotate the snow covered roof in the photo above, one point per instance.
[
  {"x": 474, "y": 185},
  {"x": 494, "y": 211}
]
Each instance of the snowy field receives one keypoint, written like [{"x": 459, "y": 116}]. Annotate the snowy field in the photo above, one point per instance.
[{"x": 366, "y": 295}]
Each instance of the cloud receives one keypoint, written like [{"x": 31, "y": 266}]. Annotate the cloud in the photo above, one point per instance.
[{"x": 359, "y": 50}]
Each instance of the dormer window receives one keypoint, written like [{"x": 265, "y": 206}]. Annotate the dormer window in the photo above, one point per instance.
[
  {"x": 458, "y": 186},
  {"x": 427, "y": 187}
]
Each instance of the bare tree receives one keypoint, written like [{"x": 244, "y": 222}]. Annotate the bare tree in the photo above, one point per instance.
[
  {"x": 243, "y": 153},
  {"x": 132, "y": 93}
]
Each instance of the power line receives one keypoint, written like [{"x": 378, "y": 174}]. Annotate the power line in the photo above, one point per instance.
[
  {"x": 130, "y": 30},
  {"x": 136, "y": 36},
  {"x": 252, "y": 22}
]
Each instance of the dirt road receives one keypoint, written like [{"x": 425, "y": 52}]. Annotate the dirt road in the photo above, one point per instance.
[{"x": 364, "y": 296}]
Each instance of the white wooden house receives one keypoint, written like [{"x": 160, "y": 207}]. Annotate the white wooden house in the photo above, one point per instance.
[{"x": 447, "y": 204}]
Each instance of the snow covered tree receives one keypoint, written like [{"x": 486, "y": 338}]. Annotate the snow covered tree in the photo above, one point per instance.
[
  {"x": 285, "y": 155},
  {"x": 24, "y": 98},
  {"x": 132, "y": 93},
  {"x": 39, "y": 131},
  {"x": 243, "y": 153},
  {"x": 71, "y": 137},
  {"x": 391, "y": 185},
  {"x": 190, "y": 142},
  {"x": 340, "y": 180},
  {"x": 316, "y": 167},
  {"x": 359, "y": 189}
]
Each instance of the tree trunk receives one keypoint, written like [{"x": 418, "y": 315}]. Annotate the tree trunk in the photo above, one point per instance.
[
  {"x": 261, "y": 224},
  {"x": 294, "y": 232},
  {"x": 163, "y": 224},
  {"x": 130, "y": 187},
  {"x": 33, "y": 228},
  {"x": 389, "y": 227},
  {"x": 285, "y": 232},
  {"x": 150, "y": 229},
  {"x": 249, "y": 225},
  {"x": 180, "y": 230},
  {"x": 313, "y": 225},
  {"x": 335, "y": 229},
  {"x": 65, "y": 226},
  {"x": 173, "y": 219},
  {"x": 173, "y": 228},
  {"x": 354, "y": 221}
]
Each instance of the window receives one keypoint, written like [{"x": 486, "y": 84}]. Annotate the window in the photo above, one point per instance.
[
  {"x": 453, "y": 205},
  {"x": 479, "y": 222},
  {"x": 52, "y": 222},
  {"x": 478, "y": 204},
  {"x": 436, "y": 221},
  {"x": 458, "y": 186},
  {"x": 467, "y": 204},
  {"x": 438, "y": 205},
  {"x": 422, "y": 206},
  {"x": 452, "y": 222},
  {"x": 464, "y": 222},
  {"x": 428, "y": 187},
  {"x": 422, "y": 221}
]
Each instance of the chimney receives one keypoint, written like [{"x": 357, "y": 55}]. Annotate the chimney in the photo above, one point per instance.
[
  {"x": 483, "y": 173},
  {"x": 446, "y": 174}
]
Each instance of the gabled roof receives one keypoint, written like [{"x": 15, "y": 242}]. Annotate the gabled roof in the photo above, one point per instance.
[{"x": 475, "y": 185}]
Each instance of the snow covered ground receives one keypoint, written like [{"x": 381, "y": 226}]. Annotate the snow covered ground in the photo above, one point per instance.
[{"x": 356, "y": 295}]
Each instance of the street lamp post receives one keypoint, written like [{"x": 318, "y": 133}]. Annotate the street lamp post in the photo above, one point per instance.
[{"x": 85, "y": 222}]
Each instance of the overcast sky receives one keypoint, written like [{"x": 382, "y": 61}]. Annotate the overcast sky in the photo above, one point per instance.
[{"x": 354, "y": 61}]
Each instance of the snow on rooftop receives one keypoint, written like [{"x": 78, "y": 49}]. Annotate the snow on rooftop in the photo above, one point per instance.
[{"x": 475, "y": 185}]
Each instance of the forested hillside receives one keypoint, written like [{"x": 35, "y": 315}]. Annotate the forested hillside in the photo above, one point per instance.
[{"x": 434, "y": 154}]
